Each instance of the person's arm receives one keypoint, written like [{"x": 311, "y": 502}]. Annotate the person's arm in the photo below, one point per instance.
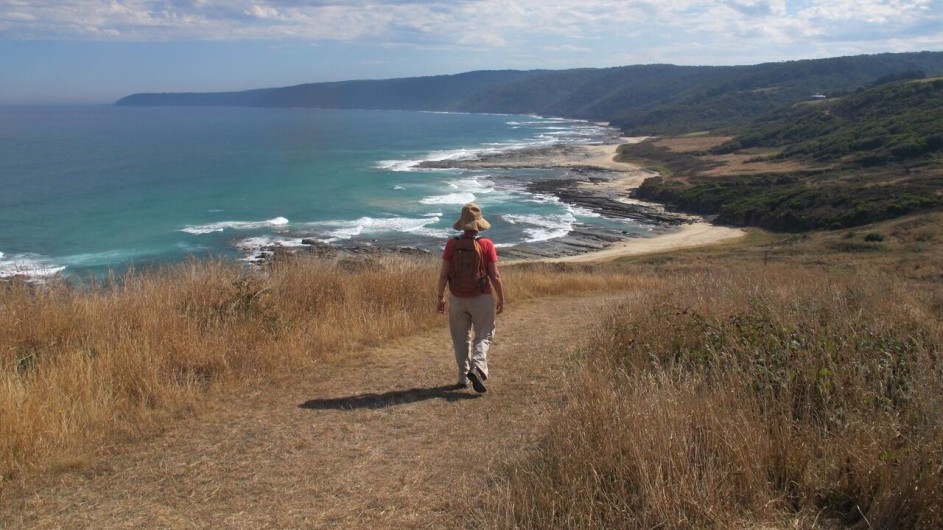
[
  {"x": 497, "y": 286},
  {"x": 443, "y": 280}
]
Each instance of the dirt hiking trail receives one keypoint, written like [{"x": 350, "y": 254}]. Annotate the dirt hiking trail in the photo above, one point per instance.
[{"x": 378, "y": 440}]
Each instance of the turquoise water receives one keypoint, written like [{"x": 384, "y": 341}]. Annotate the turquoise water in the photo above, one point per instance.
[{"x": 90, "y": 188}]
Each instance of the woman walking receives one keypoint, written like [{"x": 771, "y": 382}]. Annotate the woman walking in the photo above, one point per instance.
[{"x": 470, "y": 269}]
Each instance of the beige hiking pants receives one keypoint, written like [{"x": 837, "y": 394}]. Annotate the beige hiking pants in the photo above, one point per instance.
[{"x": 464, "y": 315}]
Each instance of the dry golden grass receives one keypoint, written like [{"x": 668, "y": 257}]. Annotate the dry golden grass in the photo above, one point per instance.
[
  {"x": 750, "y": 164},
  {"x": 745, "y": 162},
  {"x": 686, "y": 144},
  {"x": 730, "y": 397},
  {"x": 97, "y": 365}
]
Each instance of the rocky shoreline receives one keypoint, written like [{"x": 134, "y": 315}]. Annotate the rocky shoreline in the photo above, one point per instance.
[
  {"x": 591, "y": 189},
  {"x": 555, "y": 156},
  {"x": 602, "y": 190}
]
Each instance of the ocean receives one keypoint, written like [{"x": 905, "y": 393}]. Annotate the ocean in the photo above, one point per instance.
[{"x": 85, "y": 189}]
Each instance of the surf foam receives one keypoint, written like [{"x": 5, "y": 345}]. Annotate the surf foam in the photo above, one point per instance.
[
  {"x": 254, "y": 246},
  {"x": 548, "y": 132},
  {"x": 30, "y": 266},
  {"x": 340, "y": 230},
  {"x": 234, "y": 225},
  {"x": 542, "y": 227}
]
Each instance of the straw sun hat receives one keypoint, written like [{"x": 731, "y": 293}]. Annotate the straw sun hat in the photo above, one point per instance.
[{"x": 471, "y": 219}]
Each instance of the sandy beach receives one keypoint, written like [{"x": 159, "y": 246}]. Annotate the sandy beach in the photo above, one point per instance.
[{"x": 695, "y": 234}]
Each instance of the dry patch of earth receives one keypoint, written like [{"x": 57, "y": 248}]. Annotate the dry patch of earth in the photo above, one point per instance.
[{"x": 744, "y": 162}]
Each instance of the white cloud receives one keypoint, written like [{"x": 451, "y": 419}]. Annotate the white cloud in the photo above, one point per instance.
[
  {"x": 258, "y": 11},
  {"x": 20, "y": 16},
  {"x": 565, "y": 25}
]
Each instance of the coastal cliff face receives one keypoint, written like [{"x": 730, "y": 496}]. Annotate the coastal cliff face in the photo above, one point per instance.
[{"x": 640, "y": 99}]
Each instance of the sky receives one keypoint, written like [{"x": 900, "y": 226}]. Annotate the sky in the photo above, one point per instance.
[{"x": 96, "y": 51}]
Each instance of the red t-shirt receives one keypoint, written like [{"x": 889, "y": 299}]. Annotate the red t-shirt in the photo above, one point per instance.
[{"x": 488, "y": 254}]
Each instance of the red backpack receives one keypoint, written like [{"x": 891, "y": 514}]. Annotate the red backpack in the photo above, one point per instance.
[{"x": 467, "y": 274}]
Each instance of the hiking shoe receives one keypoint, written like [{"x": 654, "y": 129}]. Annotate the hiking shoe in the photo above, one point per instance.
[
  {"x": 477, "y": 380},
  {"x": 461, "y": 385}
]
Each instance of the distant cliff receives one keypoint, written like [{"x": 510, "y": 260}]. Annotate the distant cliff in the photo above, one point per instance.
[
  {"x": 445, "y": 93},
  {"x": 641, "y": 99}
]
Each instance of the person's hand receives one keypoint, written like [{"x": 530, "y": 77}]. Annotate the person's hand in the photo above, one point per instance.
[
  {"x": 440, "y": 307},
  {"x": 499, "y": 307}
]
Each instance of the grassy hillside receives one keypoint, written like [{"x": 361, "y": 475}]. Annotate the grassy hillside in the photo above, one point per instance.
[
  {"x": 751, "y": 395},
  {"x": 89, "y": 366},
  {"x": 873, "y": 155},
  {"x": 780, "y": 382}
]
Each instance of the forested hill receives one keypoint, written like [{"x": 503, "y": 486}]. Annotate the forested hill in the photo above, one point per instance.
[
  {"x": 641, "y": 99},
  {"x": 897, "y": 122}
]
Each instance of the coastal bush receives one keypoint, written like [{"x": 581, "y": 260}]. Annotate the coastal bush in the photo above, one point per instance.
[
  {"x": 892, "y": 122},
  {"x": 798, "y": 202},
  {"x": 729, "y": 399}
]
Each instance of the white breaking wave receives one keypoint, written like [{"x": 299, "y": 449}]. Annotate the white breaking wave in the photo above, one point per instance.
[
  {"x": 30, "y": 266},
  {"x": 546, "y": 121},
  {"x": 466, "y": 190},
  {"x": 341, "y": 230},
  {"x": 253, "y": 246},
  {"x": 542, "y": 227},
  {"x": 234, "y": 225},
  {"x": 436, "y": 156},
  {"x": 473, "y": 185},
  {"x": 581, "y": 211},
  {"x": 398, "y": 165},
  {"x": 543, "y": 198},
  {"x": 450, "y": 198},
  {"x": 557, "y": 130}
]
